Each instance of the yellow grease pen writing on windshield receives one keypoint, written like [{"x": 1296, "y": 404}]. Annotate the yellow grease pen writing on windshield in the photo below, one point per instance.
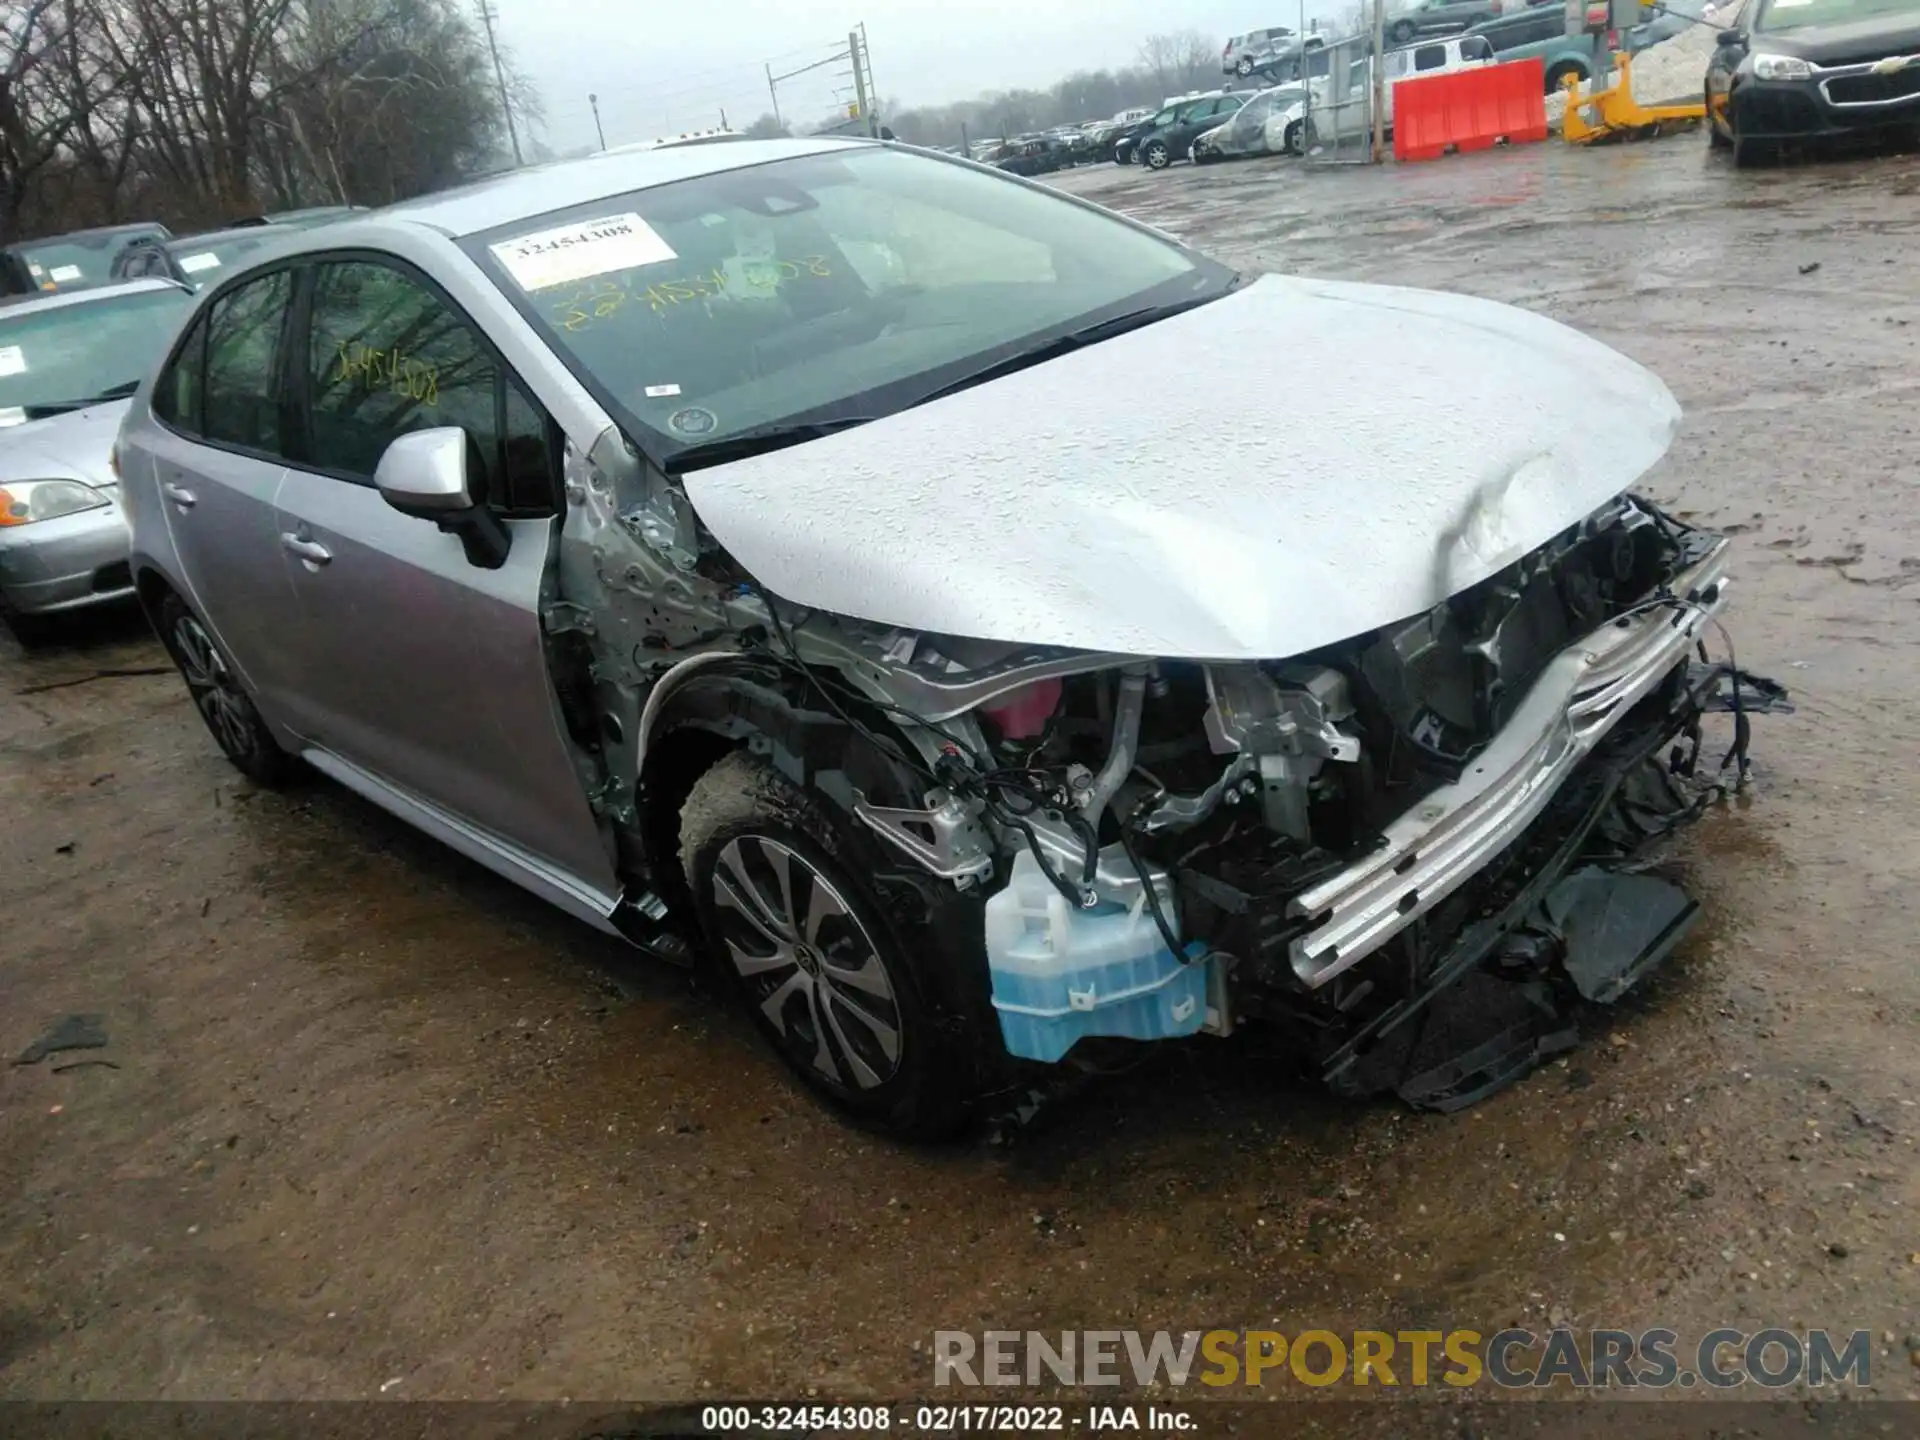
[{"x": 605, "y": 297}]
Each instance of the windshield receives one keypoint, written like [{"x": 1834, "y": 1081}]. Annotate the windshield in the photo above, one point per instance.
[
  {"x": 62, "y": 355},
  {"x": 79, "y": 260},
  {"x": 1780, "y": 15},
  {"x": 848, "y": 284}
]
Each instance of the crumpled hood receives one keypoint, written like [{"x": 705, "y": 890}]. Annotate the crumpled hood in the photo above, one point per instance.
[
  {"x": 74, "y": 446},
  {"x": 1286, "y": 467}
]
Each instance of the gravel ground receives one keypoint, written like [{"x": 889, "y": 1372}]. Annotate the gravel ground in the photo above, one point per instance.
[{"x": 377, "y": 1125}]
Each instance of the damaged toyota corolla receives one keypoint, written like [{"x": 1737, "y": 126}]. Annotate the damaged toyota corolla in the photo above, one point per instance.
[{"x": 740, "y": 547}]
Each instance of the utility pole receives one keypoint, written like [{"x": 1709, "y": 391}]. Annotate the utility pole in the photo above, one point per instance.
[
  {"x": 860, "y": 79},
  {"x": 1379, "y": 105},
  {"x": 500, "y": 78},
  {"x": 594, "y": 101},
  {"x": 774, "y": 91}
]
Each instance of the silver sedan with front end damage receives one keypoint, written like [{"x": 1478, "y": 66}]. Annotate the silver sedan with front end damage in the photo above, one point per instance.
[
  {"x": 68, "y": 363},
  {"x": 759, "y": 577}
]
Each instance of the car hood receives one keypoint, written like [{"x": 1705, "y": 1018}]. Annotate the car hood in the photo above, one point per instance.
[
  {"x": 1296, "y": 463},
  {"x": 74, "y": 446},
  {"x": 1871, "y": 38}
]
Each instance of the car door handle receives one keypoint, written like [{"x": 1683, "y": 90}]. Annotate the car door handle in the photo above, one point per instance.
[
  {"x": 311, "y": 551},
  {"x": 180, "y": 495}
]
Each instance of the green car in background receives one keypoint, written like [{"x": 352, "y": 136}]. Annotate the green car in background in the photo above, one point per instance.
[{"x": 1540, "y": 32}]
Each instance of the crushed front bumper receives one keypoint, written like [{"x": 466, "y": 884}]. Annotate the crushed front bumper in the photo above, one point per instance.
[{"x": 1451, "y": 835}]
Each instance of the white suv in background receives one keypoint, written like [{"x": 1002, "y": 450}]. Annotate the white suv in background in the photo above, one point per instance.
[{"x": 1247, "y": 53}]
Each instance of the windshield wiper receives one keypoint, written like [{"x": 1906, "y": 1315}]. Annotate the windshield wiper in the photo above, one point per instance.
[
  {"x": 1062, "y": 344},
  {"x": 760, "y": 440},
  {"x": 65, "y": 407}
]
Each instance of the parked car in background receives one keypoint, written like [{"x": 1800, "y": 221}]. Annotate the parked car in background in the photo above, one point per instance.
[
  {"x": 1432, "y": 57},
  {"x": 1662, "y": 20},
  {"x": 1033, "y": 155},
  {"x": 69, "y": 262},
  {"x": 1299, "y": 60},
  {"x": 1795, "y": 71},
  {"x": 311, "y": 215},
  {"x": 1256, "y": 128},
  {"x": 1244, "y": 54},
  {"x": 1171, "y": 138},
  {"x": 1540, "y": 33},
  {"x": 68, "y": 363},
  {"x": 1439, "y": 17},
  {"x": 196, "y": 260}
]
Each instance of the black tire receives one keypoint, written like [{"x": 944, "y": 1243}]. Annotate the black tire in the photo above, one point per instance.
[
  {"x": 1401, "y": 31},
  {"x": 1244, "y": 66},
  {"x": 1156, "y": 155},
  {"x": 224, "y": 705},
  {"x": 743, "y": 828},
  {"x": 1295, "y": 142},
  {"x": 1557, "y": 77}
]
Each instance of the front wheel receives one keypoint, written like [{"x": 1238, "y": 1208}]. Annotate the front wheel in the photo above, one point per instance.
[
  {"x": 221, "y": 699},
  {"x": 1296, "y": 139},
  {"x": 1157, "y": 156},
  {"x": 849, "y": 982}
]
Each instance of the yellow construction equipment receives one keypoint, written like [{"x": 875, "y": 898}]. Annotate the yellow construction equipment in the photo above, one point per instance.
[{"x": 1613, "y": 113}]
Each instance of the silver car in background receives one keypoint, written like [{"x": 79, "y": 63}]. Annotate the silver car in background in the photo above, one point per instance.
[
  {"x": 68, "y": 364},
  {"x": 737, "y": 546}
]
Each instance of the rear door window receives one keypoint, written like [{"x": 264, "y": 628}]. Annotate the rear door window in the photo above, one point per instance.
[
  {"x": 243, "y": 397},
  {"x": 176, "y": 394}
]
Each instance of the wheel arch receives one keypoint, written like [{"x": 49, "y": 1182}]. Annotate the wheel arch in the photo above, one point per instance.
[
  {"x": 749, "y": 703},
  {"x": 151, "y": 588}
]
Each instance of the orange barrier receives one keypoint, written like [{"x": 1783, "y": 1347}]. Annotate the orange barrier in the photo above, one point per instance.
[{"x": 1469, "y": 109}]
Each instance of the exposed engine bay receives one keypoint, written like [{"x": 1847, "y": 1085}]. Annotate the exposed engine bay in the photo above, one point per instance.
[{"x": 1346, "y": 843}]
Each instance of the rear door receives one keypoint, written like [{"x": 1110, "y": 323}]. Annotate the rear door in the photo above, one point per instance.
[
  {"x": 218, "y": 457},
  {"x": 430, "y": 673}
]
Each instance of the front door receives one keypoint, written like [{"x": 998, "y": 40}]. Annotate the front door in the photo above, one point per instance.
[{"x": 431, "y": 673}]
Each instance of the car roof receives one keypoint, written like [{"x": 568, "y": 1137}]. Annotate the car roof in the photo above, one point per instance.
[
  {"x": 539, "y": 189},
  {"x": 263, "y": 232},
  {"x": 57, "y": 299},
  {"x": 92, "y": 232}
]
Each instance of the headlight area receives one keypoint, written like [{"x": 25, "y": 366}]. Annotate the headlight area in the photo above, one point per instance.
[
  {"x": 1416, "y": 853},
  {"x": 23, "y": 502},
  {"x": 1781, "y": 67}
]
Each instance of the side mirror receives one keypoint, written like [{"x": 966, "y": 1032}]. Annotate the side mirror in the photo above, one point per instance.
[
  {"x": 1731, "y": 40},
  {"x": 428, "y": 474}
]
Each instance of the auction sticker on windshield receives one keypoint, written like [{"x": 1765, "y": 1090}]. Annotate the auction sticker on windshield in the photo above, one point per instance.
[
  {"x": 13, "y": 360},
  {"x": 579, "y": 252},
  {"x": 205, "y": 260}
]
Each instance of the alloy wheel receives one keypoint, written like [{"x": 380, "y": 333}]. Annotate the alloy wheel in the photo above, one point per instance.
[
  {"x": 215, "y": 688},
  {"x": 808, "y": 963}
]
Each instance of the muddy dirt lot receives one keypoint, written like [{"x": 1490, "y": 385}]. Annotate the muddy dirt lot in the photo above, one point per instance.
[{"x": 377, "y": 1124}]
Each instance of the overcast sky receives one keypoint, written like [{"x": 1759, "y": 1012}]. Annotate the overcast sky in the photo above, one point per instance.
[{"x": 661, "y": 69}]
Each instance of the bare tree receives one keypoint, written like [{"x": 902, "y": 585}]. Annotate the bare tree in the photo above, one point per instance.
[
  {"x": 35, "y": 119},
  {"x": 1179, "y": 60}
]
